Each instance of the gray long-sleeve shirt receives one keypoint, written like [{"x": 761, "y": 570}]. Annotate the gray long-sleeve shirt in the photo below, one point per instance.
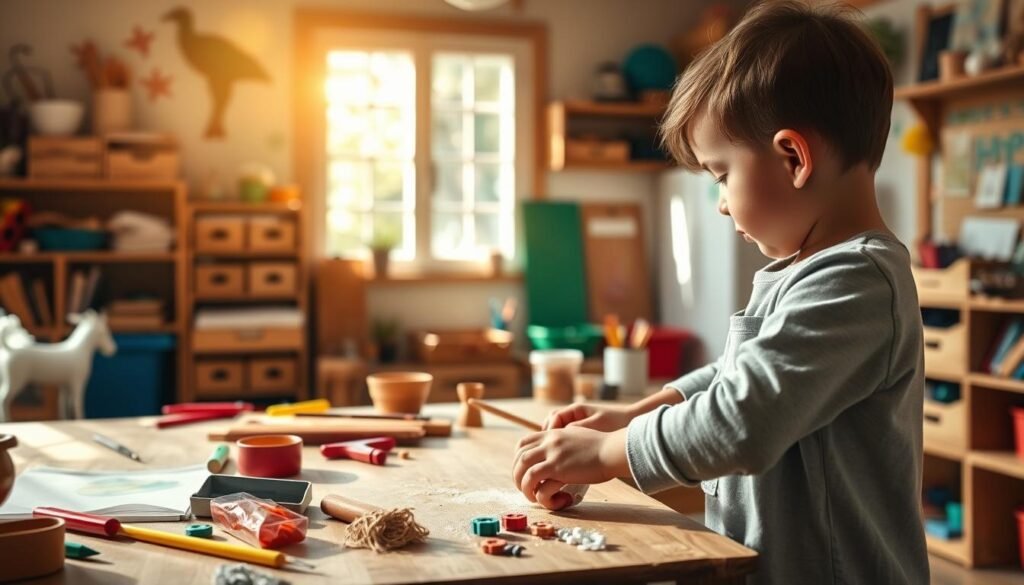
[{"x": 806, "y": 434}]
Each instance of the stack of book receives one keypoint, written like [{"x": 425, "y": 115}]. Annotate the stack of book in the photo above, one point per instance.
[
  {"x": 33, "y": 310},
  {"x": 135, "y": 314}
]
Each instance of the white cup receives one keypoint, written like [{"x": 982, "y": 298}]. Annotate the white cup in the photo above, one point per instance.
[{"x": 627, "y": 369}]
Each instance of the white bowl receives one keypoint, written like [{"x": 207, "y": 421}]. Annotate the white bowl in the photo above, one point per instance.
[{"x": 56, "y": 117}]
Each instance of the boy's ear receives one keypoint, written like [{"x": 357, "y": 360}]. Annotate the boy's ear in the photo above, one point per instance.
[{"x": 796, "y": 154}]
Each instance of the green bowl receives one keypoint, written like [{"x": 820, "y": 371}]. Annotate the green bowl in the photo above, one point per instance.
[{"x": 584, "y": 337}]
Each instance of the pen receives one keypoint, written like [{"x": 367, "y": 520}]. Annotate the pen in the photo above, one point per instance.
[{"x": 112, "y": 444}]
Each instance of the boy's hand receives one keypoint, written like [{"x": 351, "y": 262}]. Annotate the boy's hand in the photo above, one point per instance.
[
  {"x": 546, "y": 461},
  {"x": 600, "y": 417}
]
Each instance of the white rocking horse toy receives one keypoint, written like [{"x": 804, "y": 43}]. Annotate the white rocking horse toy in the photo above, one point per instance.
[{"x": 66, "y": 364}]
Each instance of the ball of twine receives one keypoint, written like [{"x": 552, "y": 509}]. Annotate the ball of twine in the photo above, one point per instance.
[{"x": 384, "y": 530}]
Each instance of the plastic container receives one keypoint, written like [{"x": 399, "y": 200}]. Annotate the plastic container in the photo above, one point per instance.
[
  {"x": 667, "y": 349},
  {"x": 1018, "y": 429},
  {"x": 136, "y": 381},
  {"x": 59, "y": 239},
  {"x": 554, "y": 373},
  {"x": 584, "y": 337}
]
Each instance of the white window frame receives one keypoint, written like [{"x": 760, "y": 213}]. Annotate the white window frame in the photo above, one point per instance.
[{"x": 423, "y": 44}]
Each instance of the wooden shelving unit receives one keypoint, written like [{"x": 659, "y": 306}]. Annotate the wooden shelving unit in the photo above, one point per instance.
[
  {"x": 571, "y": 117},
  {"x": 123, "y": 272},
  {"x": 240, "y": 357},
  {"x": 978, "y": 459}
]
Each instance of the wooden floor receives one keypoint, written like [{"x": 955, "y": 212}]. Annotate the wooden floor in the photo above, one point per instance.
[{"x": 947, "y": 573}]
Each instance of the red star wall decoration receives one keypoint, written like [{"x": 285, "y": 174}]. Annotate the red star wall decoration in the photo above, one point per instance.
[
  {"x": 139, "y": 41},
  {"x": 157, "y": 84}
]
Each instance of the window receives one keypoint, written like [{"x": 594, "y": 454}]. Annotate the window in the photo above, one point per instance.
[{"x": 426, "y": 147}]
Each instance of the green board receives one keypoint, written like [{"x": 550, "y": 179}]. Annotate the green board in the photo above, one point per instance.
[{"x": 556, "y": 289}]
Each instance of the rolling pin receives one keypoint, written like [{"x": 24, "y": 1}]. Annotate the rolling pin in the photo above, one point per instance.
[{"x": 345, "y": 509}]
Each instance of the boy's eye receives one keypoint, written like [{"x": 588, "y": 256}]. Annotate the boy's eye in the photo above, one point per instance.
[{"x": 721, "y": 180}]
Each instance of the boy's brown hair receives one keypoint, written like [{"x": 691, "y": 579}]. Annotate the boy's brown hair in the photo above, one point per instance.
[{"x": 788, "y": 65}]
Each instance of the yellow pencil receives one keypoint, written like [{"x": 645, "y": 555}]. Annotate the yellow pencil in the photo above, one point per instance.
[
  {"x": 308, "y": 406},
  {"x": 246, "y": 554}
]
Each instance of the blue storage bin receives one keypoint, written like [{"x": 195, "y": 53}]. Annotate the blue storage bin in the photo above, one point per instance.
[{"x": 136, "y": 381}]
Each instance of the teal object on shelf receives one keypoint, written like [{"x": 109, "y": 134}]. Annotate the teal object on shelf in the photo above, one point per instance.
[
  {"x": 585, "y": 337},
  {"x": 136, "y": 381},
  {"x": 649, "y": 67},
  {"x": 69, "y": 239},
  {"x": 556, "y": 288}
]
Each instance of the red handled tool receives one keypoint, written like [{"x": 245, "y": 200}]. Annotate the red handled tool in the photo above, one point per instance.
[
  {"x": 374, "y": 450},
  {"x": 225, "y": 407},
  {"x": 78, "y": 522}
]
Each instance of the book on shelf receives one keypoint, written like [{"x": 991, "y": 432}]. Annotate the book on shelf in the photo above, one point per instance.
[
  {"x": 42, "y": 302},
  {"x": 76, "y": 290},
  {"x": 1008, "y": 336},
  {"x": 1013, "y": 358},
  {"x": 92, "y": 283},
  {"x": 12, "y": 292}
]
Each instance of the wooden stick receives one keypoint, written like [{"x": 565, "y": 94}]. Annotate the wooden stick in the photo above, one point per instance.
[{"x": 486, "y": 407}]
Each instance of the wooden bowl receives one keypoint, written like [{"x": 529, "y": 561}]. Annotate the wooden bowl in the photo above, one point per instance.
[
  {"x": 270, "y": 455},
  {"x": 6, "y": 466},
  {"x": 399, "y": 392},
  {"x": 31, "y": 548}
]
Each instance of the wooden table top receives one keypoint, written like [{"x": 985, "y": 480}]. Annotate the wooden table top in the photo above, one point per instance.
[{"x": 447, "y": 481}]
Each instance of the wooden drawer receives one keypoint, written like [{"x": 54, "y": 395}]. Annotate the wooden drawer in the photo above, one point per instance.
[
  {"x": 945, "y": 351},
  {"x": 65, "y": 158},
  {"x": 219, "y": 377},
  {"x": 272, "y": 279},
  {"x": 271, "y": 234},
  {"x": 946, "y": 423},
  {"x": 500, "y": 380},
  {"x": 220, "y": 280},
  {"x": 583, "y": 150},
  {"x": 143, "y": 158},
  {"x": 268, "y": 375},
  {"x": 246, "y": 340},
  {"x": 943, "y": 287},
  {"x": 220, "y": 233}
]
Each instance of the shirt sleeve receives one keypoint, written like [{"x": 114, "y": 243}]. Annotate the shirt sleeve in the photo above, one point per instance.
[
  {"x": 827, "y": 345},
  {"x": 696, "y": 381}
]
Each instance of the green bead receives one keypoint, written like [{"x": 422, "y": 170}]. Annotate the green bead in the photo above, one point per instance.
[
  {"x": 199, "y": 530},
  {"x": 486, "y": 525}
]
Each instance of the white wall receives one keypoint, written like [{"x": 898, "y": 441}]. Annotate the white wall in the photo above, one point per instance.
[{"x": 582, "y": 34}]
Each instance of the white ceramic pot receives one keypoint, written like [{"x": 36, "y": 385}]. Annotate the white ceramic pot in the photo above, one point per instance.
[{"x": 56, "y": 117}]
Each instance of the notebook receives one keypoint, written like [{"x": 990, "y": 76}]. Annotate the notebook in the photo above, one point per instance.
[{"x": 130, "y": 496}]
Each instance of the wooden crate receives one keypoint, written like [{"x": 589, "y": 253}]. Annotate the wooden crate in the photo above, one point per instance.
[
  {"x": 142, "y": 157},
  {"x": 219, "y": 377},
  {"x": 461, "y": 346},
  {"x": 65, "y": 158},
  {"x": 271, "y": 234},
  {"x": 219, "y": 280},
  {"x": 583, "y": 150},
  {"x": 945, "y": 351},
  {"x": 273, "y": 279},
  {"x": 943, "y": 287},
  {"x": 946, "y": 423},
  {"x": 269, "y": 375},
  {"x": 220, "y": 233}
]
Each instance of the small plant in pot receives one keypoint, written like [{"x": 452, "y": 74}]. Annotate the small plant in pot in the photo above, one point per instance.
[
  {"x": 381, "y": 245},
  {"x": 385, "y": 335}
]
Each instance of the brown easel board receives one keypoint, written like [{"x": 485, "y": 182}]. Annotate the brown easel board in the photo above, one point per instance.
[{"x": 617, "y": 278}]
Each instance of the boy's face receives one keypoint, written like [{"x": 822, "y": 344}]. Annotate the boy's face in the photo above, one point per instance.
[{"x": 756, "y": 189}]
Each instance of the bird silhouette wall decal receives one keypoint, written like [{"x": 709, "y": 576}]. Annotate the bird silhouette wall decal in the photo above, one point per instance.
[{"x": 219, "y": 61}]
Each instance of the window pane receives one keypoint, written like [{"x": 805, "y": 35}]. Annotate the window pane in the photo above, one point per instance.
[
  {"x": 447, "y": 234},
  {"x": 486, "y": 128},
  {"x": 487, "y": 81},
  {"x": 493, "y": 182},
  {"x": 393, "y": 78},
  {"x": 447, "y": 134},
  {"x": 391, "y": 136},
  {"x": 348, "y": 87},
  {"x": 448, "y": 79},
  {"x": 348, "y": 185},
  {"x": 449, "y": 181},
  {"x": 345, "y": 231},
  {"x": 342, "y": 60},
  {"x": 388, "y": 182},
  {"x": 388, "y": 230},
  {"x": 488, "y": 231},
  {"x": 347, "y": 130}
]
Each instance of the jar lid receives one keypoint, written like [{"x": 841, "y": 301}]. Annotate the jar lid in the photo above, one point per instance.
[{"x": 556, "y": 356}]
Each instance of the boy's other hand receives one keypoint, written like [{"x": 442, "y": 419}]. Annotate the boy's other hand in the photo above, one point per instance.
[
  {"x": 599, "y": 417},
  {"x": 547, "y": 461}
]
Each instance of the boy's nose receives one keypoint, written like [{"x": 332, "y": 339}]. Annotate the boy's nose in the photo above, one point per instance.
[{"x": 723, "y": 208}]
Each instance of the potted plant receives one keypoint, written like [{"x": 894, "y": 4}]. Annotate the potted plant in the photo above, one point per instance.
[
  {"x": 385, "y": 336},
  {"x": 381, "y": 245}
]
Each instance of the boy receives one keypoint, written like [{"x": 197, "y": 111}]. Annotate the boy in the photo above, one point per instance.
[{"x": 806, "y": 434}]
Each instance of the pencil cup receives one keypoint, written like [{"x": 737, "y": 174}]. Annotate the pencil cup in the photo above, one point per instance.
[
  {"x": 111, "y": 111},
  {"x": 627, "y": 369}
]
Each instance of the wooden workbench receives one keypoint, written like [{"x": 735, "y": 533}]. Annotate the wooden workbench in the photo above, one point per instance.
[{"x": 447, "y": 481}]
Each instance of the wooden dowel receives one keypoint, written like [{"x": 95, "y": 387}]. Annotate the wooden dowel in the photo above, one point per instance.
[
  {"x": 487, "y": 407},
  {"x": 345, "y": 509}
]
